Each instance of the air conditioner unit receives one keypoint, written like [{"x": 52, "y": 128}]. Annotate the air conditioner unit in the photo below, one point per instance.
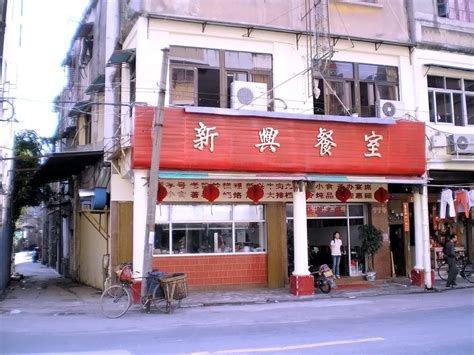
[
  {"x": 461, "y": 144},
  {"x": 245, "y": 95},
  {"x": 390, "y": 109}
]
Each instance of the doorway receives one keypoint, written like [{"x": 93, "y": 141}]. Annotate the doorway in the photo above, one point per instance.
[
  {"x": 323, "y": 220},
  {"x": 397, "y": 248}
]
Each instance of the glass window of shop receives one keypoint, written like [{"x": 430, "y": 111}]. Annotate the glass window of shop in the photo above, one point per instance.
[
  {"x": 197, "y": 229},
  {"x": 323, "y": 220}
]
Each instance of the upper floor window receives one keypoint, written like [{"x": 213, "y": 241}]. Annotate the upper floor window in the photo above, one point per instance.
[
  {"x": 357, "y": 86},
  {"x": 202, "y": 77},
  {"x": 461, "y": 10},
  {"x": 87, "y": 126},
  {"x": 451, "y": 100}
]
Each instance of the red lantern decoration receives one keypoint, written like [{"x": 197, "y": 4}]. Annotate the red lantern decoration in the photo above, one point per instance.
[
  {"x": 381, "y": 195},
  {"x": 210, "y": 192},
  {"x": 309, "y": 194},
  {"x": 255, "y": 192},
  {"x": 162, "y": 193},
  {"x": 343, "y": 194}
]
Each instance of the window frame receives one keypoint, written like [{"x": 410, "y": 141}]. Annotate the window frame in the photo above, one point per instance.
[
  {"x": 432, "y": 91},
  {"x": 355, "y": 82},
  {"x": 455, "y": 7},
  {"x": 224, "y": 73},
  {"x": 233, "y": 221}
]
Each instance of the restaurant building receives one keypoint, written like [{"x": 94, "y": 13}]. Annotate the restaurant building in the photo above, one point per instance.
[{"x": 239, "y": 191}]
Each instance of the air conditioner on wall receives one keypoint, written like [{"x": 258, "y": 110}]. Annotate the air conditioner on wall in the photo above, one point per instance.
[
  {"x": 246, "y": 95},
  {"x": 390, "y": 109},
  {"x": 461, "y": 144}
]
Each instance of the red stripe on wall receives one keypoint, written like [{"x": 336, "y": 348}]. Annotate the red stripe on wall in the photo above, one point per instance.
[{"x": 402, "y": 147}]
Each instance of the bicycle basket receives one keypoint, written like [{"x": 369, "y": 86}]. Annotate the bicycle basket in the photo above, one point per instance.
[
  {"x": 124, "y": 274},
  {"x": 175, "y": 286},
  {"x": 328, "y": 273}
]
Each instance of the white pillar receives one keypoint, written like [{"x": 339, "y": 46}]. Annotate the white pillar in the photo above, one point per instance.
[
  {"x": 140, "y": 191},
  {"x": 417, "y": 207},
  {"x": 426, "y": 238},
  {"x": 300, "y": 232}
]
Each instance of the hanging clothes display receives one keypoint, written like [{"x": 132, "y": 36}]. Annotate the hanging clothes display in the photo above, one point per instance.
[
  {"x": 461, "y": 198},
  {"x": 471, "y": 198},
  {"x": 447, "y": 198}
]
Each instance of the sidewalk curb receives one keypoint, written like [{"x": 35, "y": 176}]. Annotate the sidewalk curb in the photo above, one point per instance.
[{"x": 320, "y": 297}]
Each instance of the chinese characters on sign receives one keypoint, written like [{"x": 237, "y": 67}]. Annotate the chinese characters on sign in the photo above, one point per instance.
[
  {"x": 373, "y": 145},
  {"x": 281, "y": 191},
  {"x": 325, "y": 141},
  {"x": 267, "y": 139},
  {"x": 204, "y": 135},
  {"x": 325, "y": 211}
]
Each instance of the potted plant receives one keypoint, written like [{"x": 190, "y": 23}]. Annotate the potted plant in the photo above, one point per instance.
[
  {"x": 371, "y": 239},
  {"x": 354, "y": 112}
]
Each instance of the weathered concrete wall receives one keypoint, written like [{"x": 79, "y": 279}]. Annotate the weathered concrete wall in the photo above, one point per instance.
[
  {"x": 93, "y": 247},
  {"x": 435, "y": 32},
  {"x": 386, "y": 20}
]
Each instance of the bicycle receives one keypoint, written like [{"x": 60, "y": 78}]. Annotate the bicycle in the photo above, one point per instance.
[
  {"x": 464, "y": 265},
  {"x": 164, "y": 292}
]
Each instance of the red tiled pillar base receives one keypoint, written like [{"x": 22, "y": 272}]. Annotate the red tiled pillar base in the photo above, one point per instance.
[
  {"x": 418, "y": 278},
  {"x": 302, "y": 285},
  {"x": 136, "y": 292}
]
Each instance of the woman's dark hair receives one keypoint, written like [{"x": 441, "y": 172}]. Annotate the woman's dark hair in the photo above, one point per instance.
[{"x": 334, "y": 235}]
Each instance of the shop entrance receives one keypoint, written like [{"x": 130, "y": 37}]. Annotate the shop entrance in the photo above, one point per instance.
[
  {"x": 323, "y": 220},
  {"x": 398, "y": 247}
]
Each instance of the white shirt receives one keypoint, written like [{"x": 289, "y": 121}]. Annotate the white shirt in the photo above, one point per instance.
[{"x": 336, "y": 245}]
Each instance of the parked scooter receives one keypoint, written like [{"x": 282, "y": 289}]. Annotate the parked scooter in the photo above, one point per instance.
[{"x": 323, "y": 278}]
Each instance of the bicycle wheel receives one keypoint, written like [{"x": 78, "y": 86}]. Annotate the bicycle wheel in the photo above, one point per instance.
[
  {"x": 443, "y": 271},
  {"x": 115, "y": 301},
  {"x": 467, "y": 272},
  {"x": 159, "y": 300},
  {"x": 324, "y": 285}
]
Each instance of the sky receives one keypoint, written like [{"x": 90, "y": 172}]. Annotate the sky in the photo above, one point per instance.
[{"x": 48, "y": 26}]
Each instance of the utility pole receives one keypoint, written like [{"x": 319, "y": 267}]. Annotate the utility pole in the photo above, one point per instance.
[{"x": 153, "y": 177}]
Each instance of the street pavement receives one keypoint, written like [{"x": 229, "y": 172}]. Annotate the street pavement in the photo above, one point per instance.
[{"x": 43, "y": 290}]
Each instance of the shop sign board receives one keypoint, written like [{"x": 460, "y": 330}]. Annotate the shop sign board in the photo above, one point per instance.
[
  {"x": 272, "y": 191},
  {"x": 208, "y": 142},
  {"x": 326, "y": 211},
  {"x": 406, "y": 217}
]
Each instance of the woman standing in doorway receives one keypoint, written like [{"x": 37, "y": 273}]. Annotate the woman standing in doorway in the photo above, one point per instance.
[{"x": 336, "y": 245}]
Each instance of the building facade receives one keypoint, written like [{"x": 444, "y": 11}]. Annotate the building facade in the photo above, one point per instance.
[
  {"x": 230, "y": 213},
  {"x": 283, "y": 124},
  {"x": 443, "y": 68}
]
